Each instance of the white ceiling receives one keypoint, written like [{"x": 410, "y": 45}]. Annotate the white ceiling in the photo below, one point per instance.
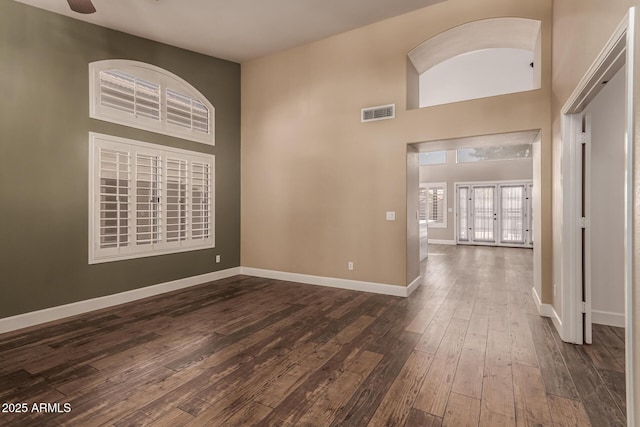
[{"x": 236, "y": 30}]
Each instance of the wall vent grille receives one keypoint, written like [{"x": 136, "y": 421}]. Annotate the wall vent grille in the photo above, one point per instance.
[{"x": 381, "y": 112}]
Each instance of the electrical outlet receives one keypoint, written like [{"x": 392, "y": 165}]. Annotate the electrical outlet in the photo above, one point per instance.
[
  {"x": 217, "y": 259},
  {"x": 391, "y": 216},
  {"x": 350, "y": 265}
]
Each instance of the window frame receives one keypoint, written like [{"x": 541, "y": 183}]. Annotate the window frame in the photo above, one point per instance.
[
  {"x": 436, "y": 185},
  {"x": 167, "y": 81},
  {"x": 97, "y": 142}
]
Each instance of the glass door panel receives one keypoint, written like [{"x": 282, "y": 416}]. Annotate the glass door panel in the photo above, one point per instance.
[
  {"x": 484, "y": 214},
  {"x": 463, "y": 214},
  {"x": 512, "y": 214}
]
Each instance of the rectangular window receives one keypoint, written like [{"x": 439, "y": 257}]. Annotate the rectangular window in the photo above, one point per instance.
[
  {"x": 503, "y": 152},
  {"x": 147, "y": 199},
  {"x": 436, "y": 204},
  {"x": 433, "y": 158}
]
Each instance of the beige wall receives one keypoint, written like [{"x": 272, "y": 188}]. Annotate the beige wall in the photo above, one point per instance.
[
  {"x": 581, "y": 29},
  {"x": 452, "y": 172},
  {"x": 316, "y": 182}
]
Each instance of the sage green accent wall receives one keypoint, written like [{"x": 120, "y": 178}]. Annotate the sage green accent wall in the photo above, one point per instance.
[{"x": 44, "y": 131}]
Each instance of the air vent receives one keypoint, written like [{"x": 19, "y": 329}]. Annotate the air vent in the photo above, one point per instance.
[{"x": 378, "y": 113}]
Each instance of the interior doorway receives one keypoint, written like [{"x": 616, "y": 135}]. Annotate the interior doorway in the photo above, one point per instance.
[
  {"x": 596, "y": 157},
  {"x": 508, "y": 161},
  {"x": 580, "y": 129},
  {"x": 602, "y": 205}
]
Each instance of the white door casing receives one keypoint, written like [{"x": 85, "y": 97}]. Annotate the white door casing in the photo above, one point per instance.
[{"x": 619, "y": 52}]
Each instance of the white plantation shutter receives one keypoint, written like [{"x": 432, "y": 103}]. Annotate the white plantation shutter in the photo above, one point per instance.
[
  {"x": 114, "y": 191},
  {"x": 422, "y": 205},
  {"x": 436, "y": 204},
  {"x": 177, "y": 200},
  {"x": 129, "y": 94},
  {"x": 187, "y": 112},
  {"x": 201, "y": 200},
  {"x": 148, "y": 199},
  {"x": 147, "y": 97},
  {"x": 200, "y": 116}
]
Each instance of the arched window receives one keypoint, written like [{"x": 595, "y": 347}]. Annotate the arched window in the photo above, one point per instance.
[
  {"x": 475, "y": 60},
  {"x": 147, "y": 97}
]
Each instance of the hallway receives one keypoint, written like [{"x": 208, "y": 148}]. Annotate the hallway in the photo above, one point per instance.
[{"x": 512, "y": 359}]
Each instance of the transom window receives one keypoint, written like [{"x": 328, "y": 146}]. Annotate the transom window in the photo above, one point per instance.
[
  {"x": 501, "y": 152},
  {"x": 146, "y": 97},
  {"x": 147, "y": 199},
  {"x": 433, "y": 158}
]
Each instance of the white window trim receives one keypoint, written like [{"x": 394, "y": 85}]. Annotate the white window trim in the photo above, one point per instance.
[
  {"x": 166, "y": 80},
  {"x": 443, "y": 185},
  {"x": 98, "y": 255}
]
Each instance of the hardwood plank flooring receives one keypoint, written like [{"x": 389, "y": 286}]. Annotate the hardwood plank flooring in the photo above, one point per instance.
[{"x": 466, "y": 349}]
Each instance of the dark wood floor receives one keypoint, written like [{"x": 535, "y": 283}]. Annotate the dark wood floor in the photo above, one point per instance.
[{"x": 466, "y": 349}]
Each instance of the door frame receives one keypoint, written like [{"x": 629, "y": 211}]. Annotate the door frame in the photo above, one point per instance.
[{"x": 619, "y": 52}]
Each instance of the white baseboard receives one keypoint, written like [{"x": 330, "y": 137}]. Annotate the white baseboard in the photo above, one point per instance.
[
  {"x": 333, "y": 282},
  {"x": 543, "y": 309},
  {"x": 442, "y": 242},
  {"x": 547, "y": 310},
  {"x": 608, "y": 318},
  {"x": 26, "y": 320},
  {"x": 414, "y": 285},
  {"x": 60, "y": 312}
]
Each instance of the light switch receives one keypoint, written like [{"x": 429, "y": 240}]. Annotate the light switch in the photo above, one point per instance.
[
  {"x": 391, "y": 216},
  {"x": 450, "y": 210}
]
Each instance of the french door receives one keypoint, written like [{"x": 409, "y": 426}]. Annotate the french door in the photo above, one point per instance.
[{"x": 494, "y": 213}]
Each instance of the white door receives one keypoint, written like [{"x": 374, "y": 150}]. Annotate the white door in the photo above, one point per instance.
[
  {"x": 530, "y": 215},
  {"x": 463, "y": 203},
  {"x": 494, "y": 213},
  {"x": 483, "y": 214},
  {"x": 513, "y": 214}
]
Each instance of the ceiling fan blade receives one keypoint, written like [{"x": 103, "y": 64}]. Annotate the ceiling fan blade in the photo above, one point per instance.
[{"x": 81, "y": 6}]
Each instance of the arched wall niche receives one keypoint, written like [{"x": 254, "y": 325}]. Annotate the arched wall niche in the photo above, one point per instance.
[{"x": 475, "y": 60}]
